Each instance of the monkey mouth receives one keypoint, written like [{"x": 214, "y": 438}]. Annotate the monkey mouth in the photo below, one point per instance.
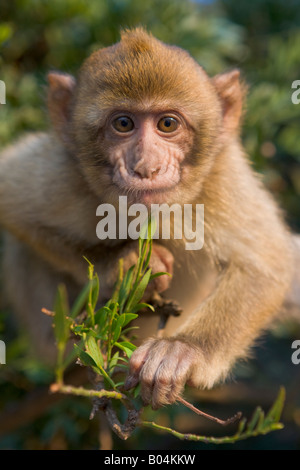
[
  {"x": 146, "y": 190},
  {"x": 146, "y": 196},
  {"x": 154, "y": 196}
]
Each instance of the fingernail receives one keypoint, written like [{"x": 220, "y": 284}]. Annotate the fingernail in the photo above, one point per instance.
[{"x": 131, "y": 382}]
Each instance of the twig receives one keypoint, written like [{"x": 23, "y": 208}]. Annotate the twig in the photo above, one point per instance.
[
  {"x": 125, "y": 430},
  {"x": 234, "y": 418},
  {"x": 47, "y": 312},
  {"x": 80, "y": 391},
  {"x": 192, "y": 437},
  {"x": 188, "y": 437}
]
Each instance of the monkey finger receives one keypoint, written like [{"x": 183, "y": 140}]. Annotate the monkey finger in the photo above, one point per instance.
[
  {"x": 170, "y": 380},
  {"x": 137, "y": 361},
  {"x": 165, "y": 256},
  {"x": 154, "y": 374},
  {"x": 131, "y": 381},
  {"x": 148, "y": 378}
]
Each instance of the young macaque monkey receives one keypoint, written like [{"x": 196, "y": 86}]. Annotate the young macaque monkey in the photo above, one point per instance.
[{"x": 144, "y": 120}]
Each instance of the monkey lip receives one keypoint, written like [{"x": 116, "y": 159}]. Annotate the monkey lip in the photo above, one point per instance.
[
  {"x": 147, "y": 191},
  {"x": 147, "y": 196}
]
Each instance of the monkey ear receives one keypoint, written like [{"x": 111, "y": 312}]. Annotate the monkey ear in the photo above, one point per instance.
[
  {"x": 60, "y": 94},
  {"x": 231, "y": 93}
]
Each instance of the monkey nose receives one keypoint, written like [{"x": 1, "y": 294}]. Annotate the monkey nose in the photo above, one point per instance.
[{"x": 145, "y": 172}]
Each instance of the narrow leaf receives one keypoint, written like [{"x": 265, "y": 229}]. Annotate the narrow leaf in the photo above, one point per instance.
[
  {"x": 84, "y": 357},
  {"x": 95, "y": 291},
  {"x": 127, "y": 347},
  {"x": 276, "y": 410},
  {"x": 94, "y": 351},
  {"x": 61, "y": 311},
  {"x": 139, "y": 290},
  {"x": 101, "y": 317},
  {"x": 255, "y": 418},
  {"x": 126, "y": 286},
  {"x": 128, "y": 317},
  {"x": 153, "y": 276},
  {"x": 138, "y": 307}
]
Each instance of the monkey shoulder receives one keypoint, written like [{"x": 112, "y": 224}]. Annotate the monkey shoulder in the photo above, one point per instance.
[{"x": 41, "y": 184}]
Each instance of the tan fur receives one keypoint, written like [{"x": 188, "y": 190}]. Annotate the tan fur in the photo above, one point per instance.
[{"x": 51, "y": 185}]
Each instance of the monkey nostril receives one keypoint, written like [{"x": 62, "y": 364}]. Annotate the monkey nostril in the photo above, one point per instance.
[
  {"x": 155, "y": 172},
  {"x": 144, "y": 173}
]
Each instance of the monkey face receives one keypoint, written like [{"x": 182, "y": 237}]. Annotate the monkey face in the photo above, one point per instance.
[
  {"x": 145, "y": 122},
  {"x": 146, "y": 150}
]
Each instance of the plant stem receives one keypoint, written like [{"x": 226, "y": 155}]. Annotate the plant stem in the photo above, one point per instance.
[
  {"x": 80, "y": 391},
  {"x": 234, "y": 418}
]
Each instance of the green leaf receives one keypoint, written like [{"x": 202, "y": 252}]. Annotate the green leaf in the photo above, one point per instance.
[
  {"x": 123, "y": 366},
  {"x": 138, "y": 307},
  {"x": 114, "y": 361},
  {"x": 127, "y": 347},
  {"x": 116, "y": 333},
  {"x": 142, "y": 286},
  {"x": 148, "y": 229},
  {"x": 242, "y": 425},
  {"x": 94, "y": 351},
  {"x": 126, "y": 330},
  {"x": 153, "y": 276},
  {"x": 137, "y": 390},
  {"x": 276, "y": 410},
  {"x": 126, "y": 286},
  {"x": 254, "y": 420},
  {"x": 138, "y": 292},
  {"x": 95, "y": 291},
  {"x": 61, "y": 311},
  {"x": 128, "y": 317},
  {"x": 101, "y": 317},
  {"x": 261, "y": 420},
  {"x": 147, "y": 261},
  {"x": 80, "y": 329},
  {"x": 84, "y": 357}
]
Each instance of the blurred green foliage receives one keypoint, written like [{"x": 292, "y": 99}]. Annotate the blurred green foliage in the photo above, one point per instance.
[{"x": 261, "y": 37}]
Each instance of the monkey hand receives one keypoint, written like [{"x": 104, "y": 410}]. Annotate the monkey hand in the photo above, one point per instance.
[
  {"x": 161, "y": 261},
  {"x": 163, "y": 367}
]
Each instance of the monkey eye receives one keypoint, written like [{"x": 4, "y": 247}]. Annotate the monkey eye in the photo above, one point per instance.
[
  {"x": 167, "y": 124},
  {"x": 123, "y": 124}
]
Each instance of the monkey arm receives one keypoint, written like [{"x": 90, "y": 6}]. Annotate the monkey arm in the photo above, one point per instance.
[
  {"x": 229, "y": 320},
  {"x": 218, "y": 333}
]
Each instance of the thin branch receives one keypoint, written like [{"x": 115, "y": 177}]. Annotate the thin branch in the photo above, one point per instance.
[
  {"x": 188, "y": 437},
  {"x": 123, "y": 431},
  {"x": 80, "y": 391},
  {"x": 231, "y": 420}
]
